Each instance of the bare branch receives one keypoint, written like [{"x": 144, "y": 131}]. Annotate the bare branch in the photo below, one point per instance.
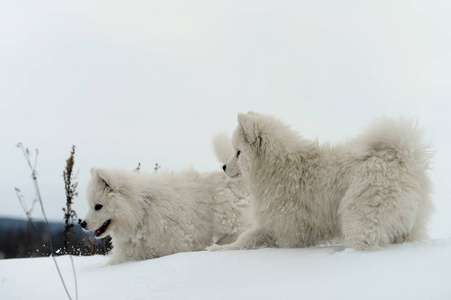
[{"x": 26, "y": 153}]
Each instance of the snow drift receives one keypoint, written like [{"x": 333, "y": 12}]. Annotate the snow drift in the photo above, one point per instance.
[{"x": 407, "y": 271}]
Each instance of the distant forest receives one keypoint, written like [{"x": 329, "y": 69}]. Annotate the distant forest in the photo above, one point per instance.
[{"x": 21, "y": 238}]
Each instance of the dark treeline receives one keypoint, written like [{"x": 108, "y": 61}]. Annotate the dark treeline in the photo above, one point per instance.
[{"x": 21, "y": 238}]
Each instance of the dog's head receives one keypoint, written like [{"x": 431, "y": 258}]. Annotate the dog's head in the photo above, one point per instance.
[
  {"x": 247, "y": 142},
  {"x": 111, "y": 202},
  {"x": 260, "y": 141}
]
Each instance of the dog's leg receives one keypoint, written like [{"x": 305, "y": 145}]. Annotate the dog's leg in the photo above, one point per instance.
[
  {"x": 119, "y": 255},
  {"x": 228, "y": 238},
  {"x": 252, "y": 238},
  {"x": 115, "y": 260}
]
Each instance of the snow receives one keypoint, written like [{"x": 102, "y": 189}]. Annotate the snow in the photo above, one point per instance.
[{"x": 408, "y": 271}]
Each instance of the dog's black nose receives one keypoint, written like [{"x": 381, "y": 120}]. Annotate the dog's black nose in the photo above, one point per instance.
[
  {"x": 224, "y": 167},
  {"x": 83, "y": 224}
]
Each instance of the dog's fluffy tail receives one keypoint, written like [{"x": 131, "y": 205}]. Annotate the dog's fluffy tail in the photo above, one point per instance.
[
  {"x": 402, "y": 135},
  {"x": 222, "y": 146}
]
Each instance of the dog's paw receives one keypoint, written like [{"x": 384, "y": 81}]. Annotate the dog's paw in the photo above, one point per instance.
[
  {"x": 116, "y": 259},
  {"x": 215, "y": 247}
]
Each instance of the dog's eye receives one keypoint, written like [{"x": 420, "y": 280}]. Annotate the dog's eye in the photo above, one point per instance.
[
  {"x": 98, "y": 207},
  {"x": 238, "y": 153}
]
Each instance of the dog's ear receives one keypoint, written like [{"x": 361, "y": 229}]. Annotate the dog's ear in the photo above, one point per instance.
[
  {"x": 103, "y": 177},
  {"x": 250, "y": 128}
]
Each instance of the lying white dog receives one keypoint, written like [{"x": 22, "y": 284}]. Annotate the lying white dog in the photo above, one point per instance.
[
  {"x": 152, "y": 215},
  {"x": 369, "y": 192}
]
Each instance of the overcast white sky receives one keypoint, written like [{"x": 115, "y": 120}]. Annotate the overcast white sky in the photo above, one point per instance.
[{"x": 153, "y": 81}]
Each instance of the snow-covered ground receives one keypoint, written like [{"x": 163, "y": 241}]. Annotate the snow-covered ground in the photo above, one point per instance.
[{"x": 407, "y": 271}]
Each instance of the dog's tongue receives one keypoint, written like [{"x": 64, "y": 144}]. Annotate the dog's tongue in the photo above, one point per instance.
[{"x": 102, "y": 229}]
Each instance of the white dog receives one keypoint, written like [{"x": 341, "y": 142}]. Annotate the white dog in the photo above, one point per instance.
[
  {"x": 369, "y": 192},
  {"x": 152, "y": 215}
]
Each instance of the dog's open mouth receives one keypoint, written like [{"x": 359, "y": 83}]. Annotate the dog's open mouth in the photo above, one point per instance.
[
  {"x": 103, "y": 228},
  {"x": 235, "y": 176}
]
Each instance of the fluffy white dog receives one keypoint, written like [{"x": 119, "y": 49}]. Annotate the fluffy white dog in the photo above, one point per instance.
[
  {"x": 152, "y": 215},
  {"x": 369, "y": 192}
]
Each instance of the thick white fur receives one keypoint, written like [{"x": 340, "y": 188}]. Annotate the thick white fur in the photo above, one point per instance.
[
  {"x": 153, "y": 215},
  {"x": 369, "y": 192}
]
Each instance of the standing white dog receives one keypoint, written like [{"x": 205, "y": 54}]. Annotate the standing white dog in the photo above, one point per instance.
[
  {"x": 369, "y": 192},
  {"x": 152, "y": 215}
]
